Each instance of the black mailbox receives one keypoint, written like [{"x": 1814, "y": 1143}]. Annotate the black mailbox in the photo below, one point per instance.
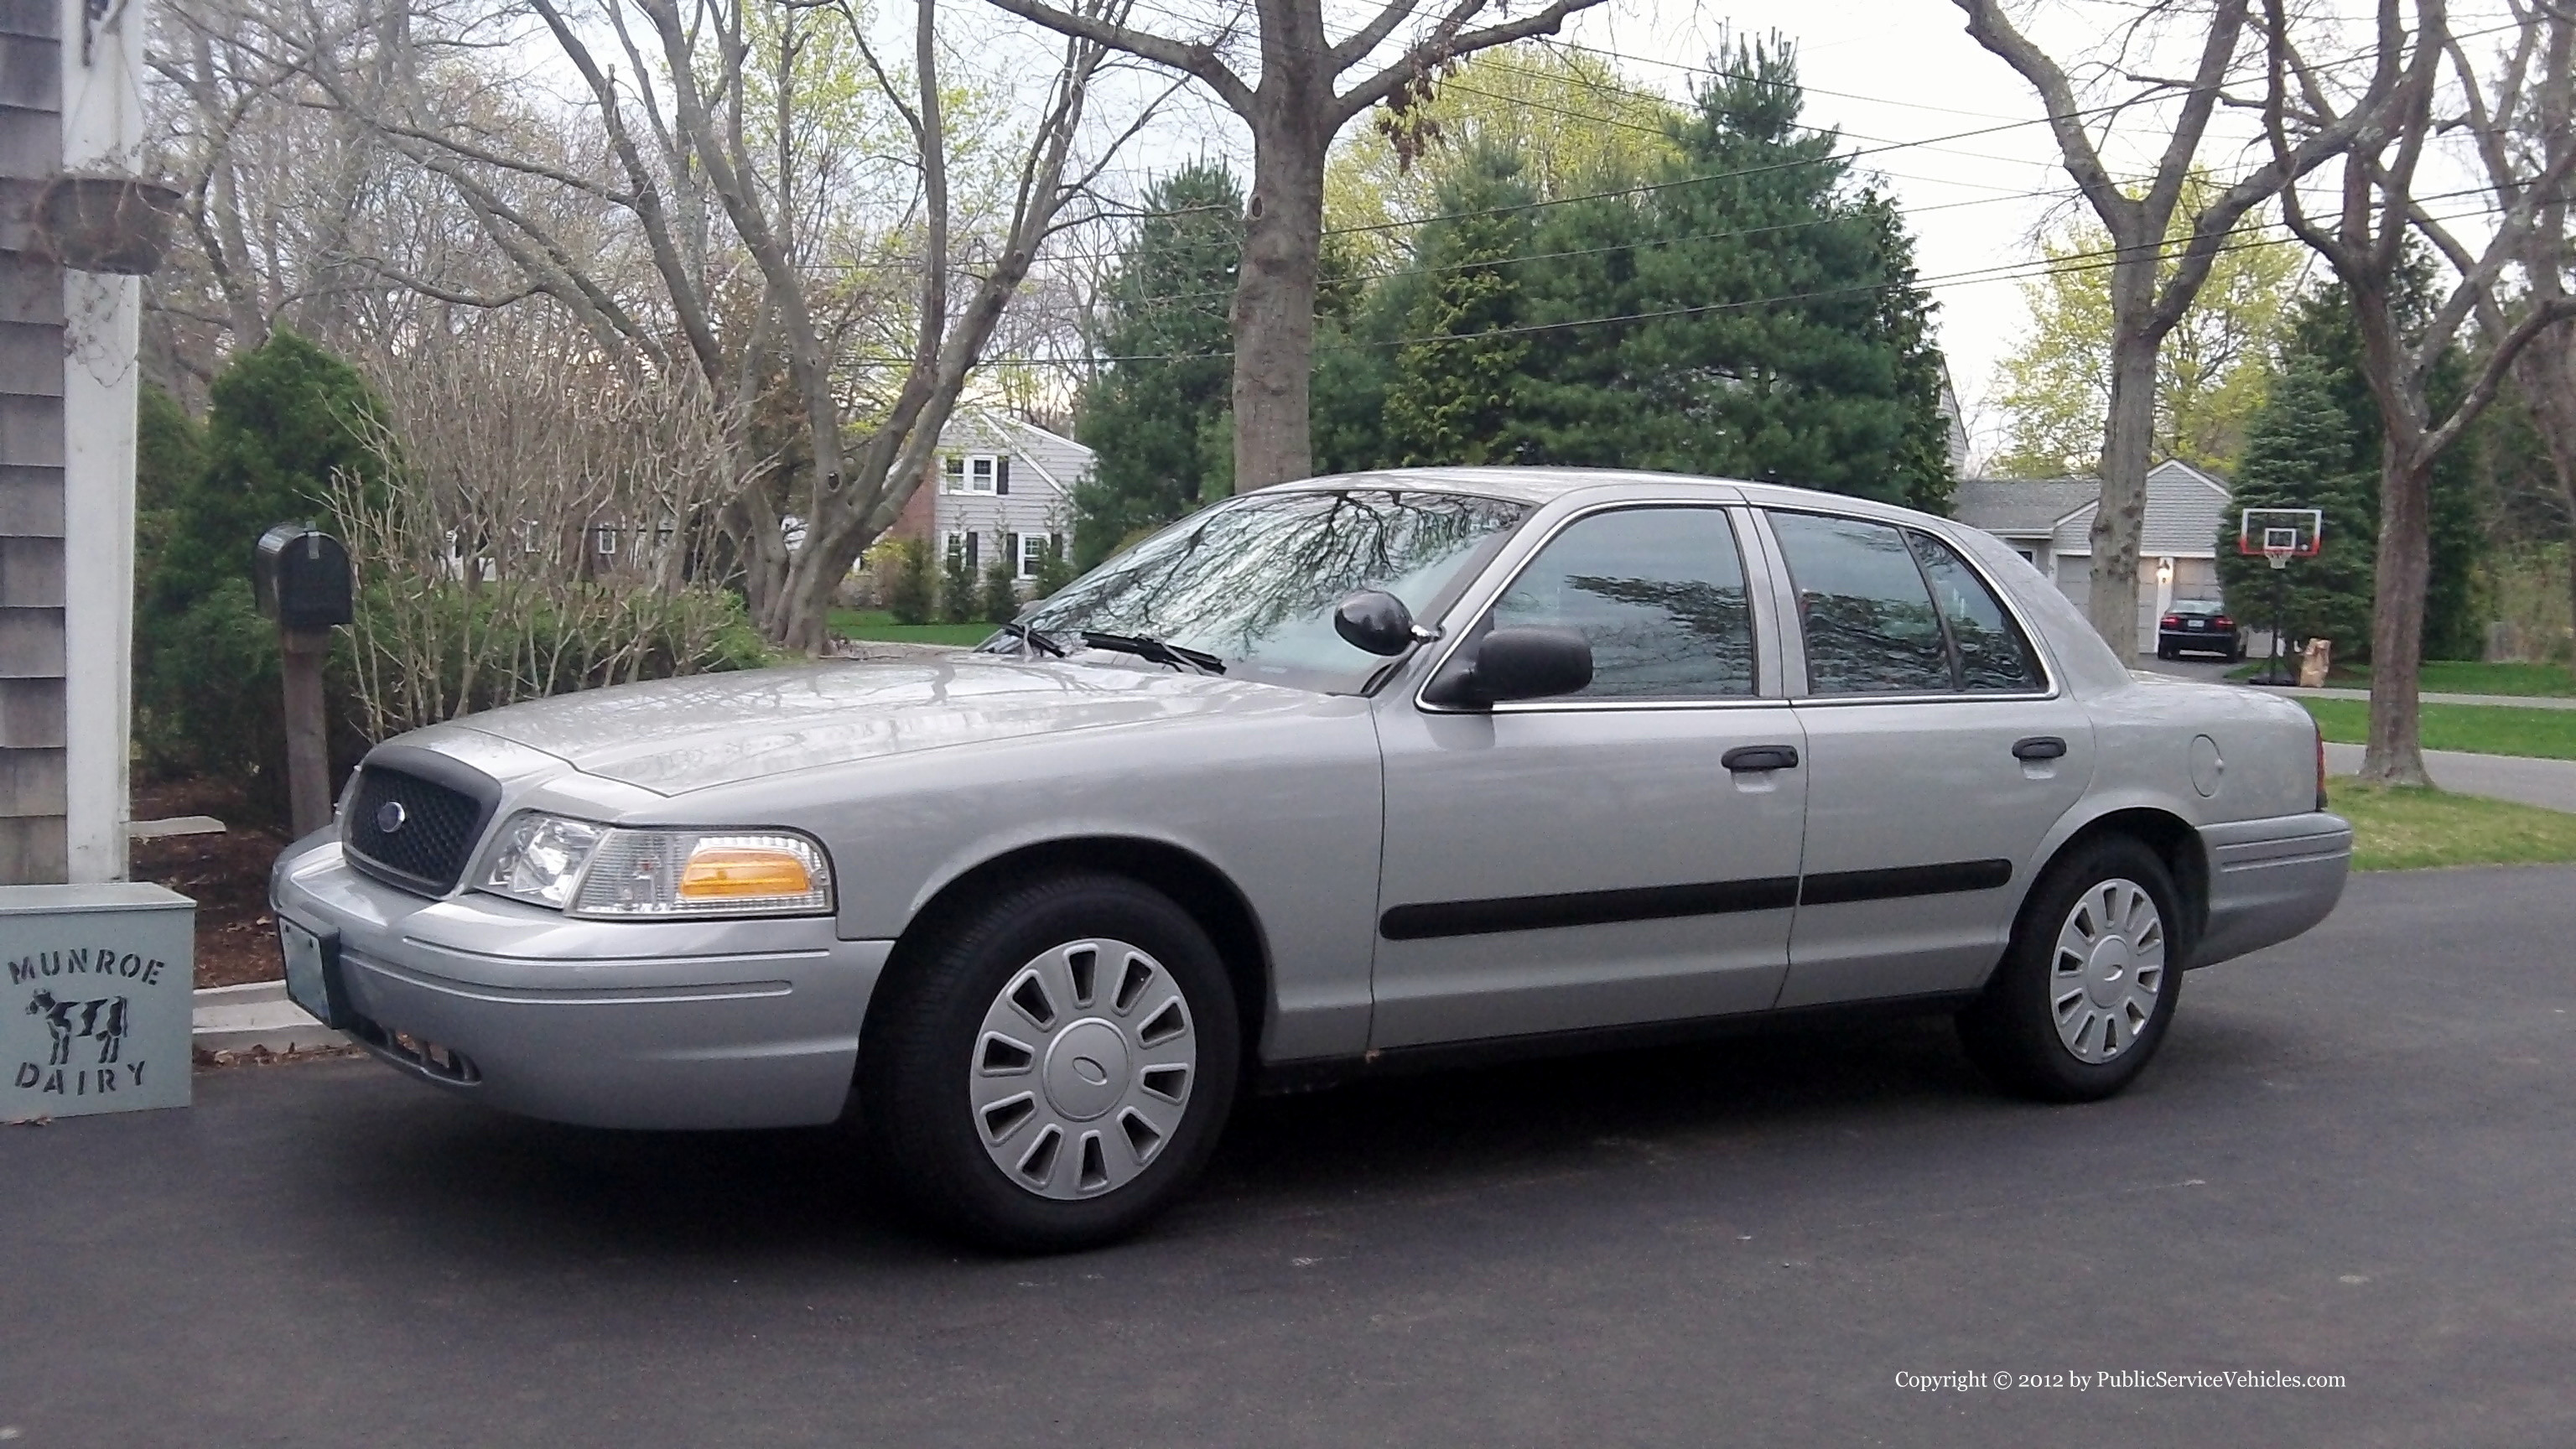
[{"x": 302, "y": 575}]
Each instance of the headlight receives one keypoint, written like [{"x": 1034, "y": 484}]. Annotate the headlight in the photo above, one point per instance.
[{"x": 598, "y": 870}]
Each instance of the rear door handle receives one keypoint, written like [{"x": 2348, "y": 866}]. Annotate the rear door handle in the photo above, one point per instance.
[
  {"x": 2039, "y": 747},
  {"x": 1760, "y": 757}
]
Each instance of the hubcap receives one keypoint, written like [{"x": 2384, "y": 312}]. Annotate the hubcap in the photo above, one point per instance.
[
  {"x": 1083, "y": 1068},
  {"x": 2107, "y": 971}
]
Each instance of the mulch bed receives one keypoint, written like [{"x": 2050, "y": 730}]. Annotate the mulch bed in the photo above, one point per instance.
[{"x": 226, "y": 875}]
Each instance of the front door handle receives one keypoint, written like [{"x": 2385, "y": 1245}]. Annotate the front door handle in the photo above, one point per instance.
[
  {"x": 2039, "y": 747},
  {"x": 1761, "y": 757}
]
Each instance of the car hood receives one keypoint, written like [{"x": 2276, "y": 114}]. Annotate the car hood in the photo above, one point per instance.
[{"x": 672, "y": 736}]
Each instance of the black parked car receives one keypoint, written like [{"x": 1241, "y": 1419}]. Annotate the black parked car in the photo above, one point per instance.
[{"x": 2198, "y": 626}]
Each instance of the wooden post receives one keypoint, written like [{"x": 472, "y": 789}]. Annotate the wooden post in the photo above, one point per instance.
[{"x": 308, "y": 750}]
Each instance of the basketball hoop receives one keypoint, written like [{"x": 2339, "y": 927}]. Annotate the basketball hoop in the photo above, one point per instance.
[{"x": 2280, "y": 545}]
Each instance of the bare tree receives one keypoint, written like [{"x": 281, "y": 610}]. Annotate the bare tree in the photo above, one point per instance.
[
  {"x": 2536, "y": 138},
  {"x": 2152, "y": 282},
  {"x": 1295, "y": 106},
  {"x": 724, "y": 259},
  {"x": 2366, "y": 241}
]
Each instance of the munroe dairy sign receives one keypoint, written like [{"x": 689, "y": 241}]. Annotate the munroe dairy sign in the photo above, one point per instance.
[{"x": 94, "y": 1015}]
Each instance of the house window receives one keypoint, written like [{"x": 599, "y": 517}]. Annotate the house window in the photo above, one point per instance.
[
  {"x": 980, "y": 472},
  {"x": 2028, "y": 556},
  {"x": 603, "y": 541},
  {"x": 962, "y": 545},
  {"x": 1033, "y": 552},
  {"x": 952, "y": 473}
]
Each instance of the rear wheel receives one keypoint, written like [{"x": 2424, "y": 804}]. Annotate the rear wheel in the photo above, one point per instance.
[
  {"x": 2087, "y": 988},
  {"x": 1052, "y": 1072}
]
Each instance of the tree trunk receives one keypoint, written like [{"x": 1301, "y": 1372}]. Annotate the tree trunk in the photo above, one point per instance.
[
  {"x": 2395, "y": 755},
  {"x": 2119, "y": 523},
  {"x": 1274, "y": 295}
]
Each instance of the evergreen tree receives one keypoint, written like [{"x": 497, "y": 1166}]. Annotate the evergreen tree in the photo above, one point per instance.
[
  {"x": 2322, "y": 330},
  {"x": 1452, "y": 393},
  {"x": 1159, "y": 416},
  {"x": 957, "y": 601},
  {"x": 284, "y": 419},
  {"x": 1777, "y": 329},
  {"x": 2299, "y": 454},
  {"x": 1000, "y": 600},
  {"x": 909, "y": 592}
]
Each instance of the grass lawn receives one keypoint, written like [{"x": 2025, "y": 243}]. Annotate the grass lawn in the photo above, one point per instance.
[
  {"x": 879, "y": 626},
  {"x": 2415, "y": 829},
  {"x": 2486, "y": 729},
  {"x": 2450, "y": 676}
]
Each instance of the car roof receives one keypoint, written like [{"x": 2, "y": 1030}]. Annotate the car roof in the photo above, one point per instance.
[{"x": 1546, "y": 485}]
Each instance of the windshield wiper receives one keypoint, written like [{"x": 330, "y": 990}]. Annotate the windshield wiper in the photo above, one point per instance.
[
  {"x": 1031, "y": 639},
  {"x": 1146, "y": 646}
]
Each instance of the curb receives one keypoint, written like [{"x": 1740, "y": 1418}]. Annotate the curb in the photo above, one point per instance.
[{"x": 238, "y": 1018}]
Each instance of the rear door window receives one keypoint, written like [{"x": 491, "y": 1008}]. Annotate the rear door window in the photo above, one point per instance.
[
  {"x": 1864, "y": 608},
  {"x": 1993, "y": 656}
]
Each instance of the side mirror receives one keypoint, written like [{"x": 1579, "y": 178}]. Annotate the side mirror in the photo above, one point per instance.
[
  {"x": 1376, "y": 621},
  {"x": 1510, "y": 664}
]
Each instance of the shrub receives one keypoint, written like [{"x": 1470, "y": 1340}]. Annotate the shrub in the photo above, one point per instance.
[
  {"x": 1001, "y": 598},
  {"x": 907, "y": 587},
  {"x": 1055, "y": 570},
  {"x": 956, "y": 587}
]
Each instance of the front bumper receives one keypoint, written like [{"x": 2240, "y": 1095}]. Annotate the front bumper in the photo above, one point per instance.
[
  {"x": 648, "y": 1024},
  {"x": 2271, "y": 879}
]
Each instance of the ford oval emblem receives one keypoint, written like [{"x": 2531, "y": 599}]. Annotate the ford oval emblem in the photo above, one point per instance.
[{"x": 390, "y": 817}]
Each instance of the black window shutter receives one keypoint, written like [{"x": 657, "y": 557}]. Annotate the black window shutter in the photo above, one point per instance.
[
  {"x": 1011, "y": 552},
  {"x": 970, "y": 548},
  {"x": 1002, "y": 474}
]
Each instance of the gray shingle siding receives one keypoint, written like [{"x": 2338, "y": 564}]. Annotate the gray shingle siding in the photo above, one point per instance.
[{"x": 33, "y": 845}]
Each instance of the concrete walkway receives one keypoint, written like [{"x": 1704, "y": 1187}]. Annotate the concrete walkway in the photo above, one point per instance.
[
  {"x": 2513, "y": 701},
  {"x": 2549, "y": 784}
]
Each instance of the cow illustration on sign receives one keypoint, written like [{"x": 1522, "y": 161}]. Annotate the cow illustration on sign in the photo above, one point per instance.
[{"x": 103, "y": 1018}]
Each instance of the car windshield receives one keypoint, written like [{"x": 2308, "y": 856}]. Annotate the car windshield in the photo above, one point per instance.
[{"x": 1253, "y": 581}]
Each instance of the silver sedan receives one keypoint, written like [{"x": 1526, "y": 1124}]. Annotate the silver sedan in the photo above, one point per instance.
[{"x": 1321, "y": 778}]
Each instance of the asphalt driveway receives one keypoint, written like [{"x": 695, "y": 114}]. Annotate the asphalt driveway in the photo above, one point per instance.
[{"x": 2352, "y": 1160}]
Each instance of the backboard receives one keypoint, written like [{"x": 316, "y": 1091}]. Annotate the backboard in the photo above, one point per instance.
[{"x": 2280, "y": 533}]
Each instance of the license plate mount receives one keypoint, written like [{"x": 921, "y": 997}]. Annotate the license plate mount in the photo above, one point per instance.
[{"x": 313, "y": 972}]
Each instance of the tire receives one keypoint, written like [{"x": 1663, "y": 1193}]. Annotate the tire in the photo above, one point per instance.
[
  {"x": 993, "y": 1037},
  {"x": 2165, "y": 651},
  {"x": 2116, "y": 1017}
]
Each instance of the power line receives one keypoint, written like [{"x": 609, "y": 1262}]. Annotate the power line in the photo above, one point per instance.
[{"x": 2073, "y": 263}]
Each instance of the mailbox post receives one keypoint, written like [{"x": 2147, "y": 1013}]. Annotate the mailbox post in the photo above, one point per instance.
[{"x": 303, "y": 582}]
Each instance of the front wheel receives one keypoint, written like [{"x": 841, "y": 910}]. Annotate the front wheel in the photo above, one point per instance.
[
  {"x": 2087, "y": 987},
  {"x": 1053, "y": 1071}
]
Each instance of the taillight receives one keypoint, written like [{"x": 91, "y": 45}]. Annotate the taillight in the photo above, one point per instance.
[
  {"x": 2171, "y": 621},
  {"x": 2222, "y": 622},
  {"x": 2321, "y": 766}
]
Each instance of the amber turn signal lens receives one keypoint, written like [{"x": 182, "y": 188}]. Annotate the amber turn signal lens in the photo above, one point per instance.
[{"x": 733, "y": 873}]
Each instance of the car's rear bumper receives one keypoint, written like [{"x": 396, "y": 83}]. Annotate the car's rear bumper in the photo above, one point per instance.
[
  {"x": 2271, "y": 879},
  {"x": 2221, "y": 642},
  {"x": 661, "y": 1024}
]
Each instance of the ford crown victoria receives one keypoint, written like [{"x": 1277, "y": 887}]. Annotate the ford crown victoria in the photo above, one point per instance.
[{"x": 1323, "y": 777}]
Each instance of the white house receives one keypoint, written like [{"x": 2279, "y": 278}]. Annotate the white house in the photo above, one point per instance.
[
  {"x": 2050, "y": 523},
  {"x": 1003, "y": 489}
]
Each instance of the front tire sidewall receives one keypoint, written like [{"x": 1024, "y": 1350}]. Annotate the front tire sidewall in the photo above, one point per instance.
[
  {"x": 916, "y": 1056},
  {"x": 2011, "y": 1033}
]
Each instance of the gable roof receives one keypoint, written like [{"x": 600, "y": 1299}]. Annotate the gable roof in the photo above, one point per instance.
[
  {"x": 2021, "y": 507},
  {"x": 2184, "y": 508},
  {"x": 1056, "y": 461}
]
